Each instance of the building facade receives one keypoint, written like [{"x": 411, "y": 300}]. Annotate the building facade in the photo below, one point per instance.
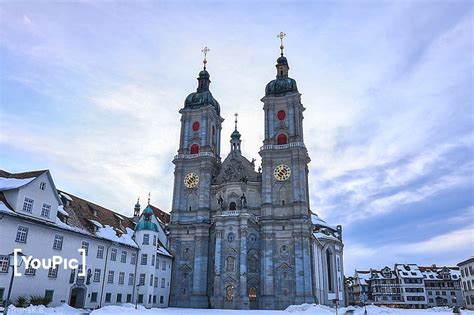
[
  {"x": 467, "y": 279},
  {"x": 126, "y": 258},
  {"x": 406, "y": 286},
  {"x": 244, "y": 238}
]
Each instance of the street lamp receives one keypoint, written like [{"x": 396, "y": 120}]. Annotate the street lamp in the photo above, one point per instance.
[
  {"x": 335, "y": 303},
  {"x": 20, "y": 254},
  {"x": 136, "y": 300},
  {"x": 364, "y": 300}
]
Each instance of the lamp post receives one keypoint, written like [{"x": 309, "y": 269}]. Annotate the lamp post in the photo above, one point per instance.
[
  {"x": 136, "y": 300},
  {"x": 364, "y": 300},
  {"x": 335, "y": 303},
  {"x": 20, "y": 254}
]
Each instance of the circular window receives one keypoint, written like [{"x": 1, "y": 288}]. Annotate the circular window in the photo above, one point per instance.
[
  {"x": 281, "y": 115},
  {"x": 196, "y": 126}
]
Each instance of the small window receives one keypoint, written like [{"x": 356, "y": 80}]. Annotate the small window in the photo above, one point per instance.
[
  {"x": 142, "y": 279},
  {"x": 48, "y": 294},
  {"x": 42, "y": 185},
  {"x": 194, "y": 149},
  {"x": 113, "y": 254},
  {"x": 121, "y": 278},
  {"x": 97, "y": 275},
  {"x": 46, "y": 210},
  {"x": 133, "y": 259},
  {"x": 151, "y": 280},
  {"x": 53, "y": 272},
  {"x": 282, "y": 139},
  {"x": 123, "y": 259},
  {"x": 100, "y": 251},
  {"x": 108, "y": 297},
  {"x": 131, "y": 278},
  {"x": 30, "y": 271},
  {"x": 119, "y": 297},
  {"x": 85, "y": 246},
  {"x": 162, "y": 299},
  {"x": 21, "y": 234},
  {"x": 110, "y": 277},
  {"x": 28, "y": 205},
  {"x": 163, "y": 265},
  {"x": 129, "y": 298},
  {"x": 94, "y": 297},
  {"x": 4, "y": 263},
  {"x": 146, "y": 239},
  {"x": 140, "y": 299},
  {"x": 144, "y": 259},
  {"x": 58, "y": 242},
  {"x": 152, "y": 260},
  {"x": 163, "y": 281}
]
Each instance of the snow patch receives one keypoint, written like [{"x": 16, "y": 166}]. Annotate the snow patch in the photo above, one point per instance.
[
  {"x": 12, "y": 183},
  {"x": 62, "y": 211},
  {"x": 66, "y": 196},
  {"x": 109, "y": 233}
]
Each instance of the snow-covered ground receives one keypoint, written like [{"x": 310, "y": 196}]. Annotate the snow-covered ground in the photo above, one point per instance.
[{"x": 305, "y": 309}]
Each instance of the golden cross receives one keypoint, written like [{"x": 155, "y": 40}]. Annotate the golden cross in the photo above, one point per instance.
[
  {"x": 236, "y": 120},
  {"x": 205, "y": 50},
  {"x": 280, "y": 36}
]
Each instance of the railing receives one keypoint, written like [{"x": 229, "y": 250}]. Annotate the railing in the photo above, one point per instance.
[
  {"x": 282, "y": 146},
  {"x": 192, "y": 156}
]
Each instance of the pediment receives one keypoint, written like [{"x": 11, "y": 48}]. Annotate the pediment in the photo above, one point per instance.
[{"x": 185, "y": 267}]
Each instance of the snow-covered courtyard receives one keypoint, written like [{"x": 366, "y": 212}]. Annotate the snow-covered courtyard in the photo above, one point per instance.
[{"x": 292, "y": 310}]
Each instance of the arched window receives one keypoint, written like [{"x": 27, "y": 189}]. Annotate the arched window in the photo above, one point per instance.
[
  {"x": 230, "y": 263},
  {"x": 281, "y": 115},
  {"x": 252, "y": 294},
  {"x": 232, "y": 206},
  {"x": 329, "y": 269},
  {"x": 195, "y": 149},
  {"x": 282, "y": 139}
]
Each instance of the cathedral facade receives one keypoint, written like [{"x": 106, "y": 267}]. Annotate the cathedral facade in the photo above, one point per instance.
[{"x": 246, "y": 238}]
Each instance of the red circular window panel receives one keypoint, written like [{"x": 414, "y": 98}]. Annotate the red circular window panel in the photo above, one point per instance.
[
  {"x": 281, "y": 115},
  {"x": 196, "y": 126}
]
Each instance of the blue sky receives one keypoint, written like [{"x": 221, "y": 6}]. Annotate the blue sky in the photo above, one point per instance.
[{"x": 91, "y": 90}]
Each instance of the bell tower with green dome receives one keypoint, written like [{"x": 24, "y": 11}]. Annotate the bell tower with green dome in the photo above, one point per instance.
[
  {"x": 197, "y": 162},
  {"x": 285, "y": 215}
]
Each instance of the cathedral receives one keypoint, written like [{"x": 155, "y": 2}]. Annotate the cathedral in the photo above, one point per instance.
[{"x": 246, "y": 238}]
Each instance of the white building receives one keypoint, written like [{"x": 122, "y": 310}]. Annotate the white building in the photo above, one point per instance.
[
  {"x": 126, "y": 258},
  {"x": 442, "y": 285},
  {"x": 412, "y": 287},
  {"x": 467, "y": 279}
]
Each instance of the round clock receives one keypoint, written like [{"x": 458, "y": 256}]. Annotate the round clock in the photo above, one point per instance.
[
  {"x": 282, "y": 172},
  {"x": 191, "y": 180}
]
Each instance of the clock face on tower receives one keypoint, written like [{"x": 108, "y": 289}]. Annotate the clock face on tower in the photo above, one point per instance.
[
  {"x": 282, "y": 172},
  {"x": 191, "y": 180}
]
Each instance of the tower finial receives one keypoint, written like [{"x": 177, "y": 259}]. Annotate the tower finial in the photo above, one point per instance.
[
  {"x": 281, "y": 36},
  {"x": 236, "y": 115},
  {"x": 205, "y": 50},
  {"x": 149, "y": 196}
]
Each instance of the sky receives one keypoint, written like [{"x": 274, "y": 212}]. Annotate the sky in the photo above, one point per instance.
[{"x": 91, "y": 91}]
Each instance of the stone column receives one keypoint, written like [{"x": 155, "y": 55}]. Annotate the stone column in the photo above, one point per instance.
[
  {"x": 199, "y": 298},
  {"x": 243, "y": 267},
  {"x": 217, "y": 298}
]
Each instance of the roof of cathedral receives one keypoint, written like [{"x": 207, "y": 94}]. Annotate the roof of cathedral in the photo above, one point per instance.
[{"x": 202, "y": 96}]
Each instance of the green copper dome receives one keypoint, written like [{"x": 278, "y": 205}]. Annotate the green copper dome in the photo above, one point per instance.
[
  {"x": 145, "y": 222},
  {"x": 202, "y": 97},
  {"x": 280, "y": 87},
  {"x": 283, "y": 84}
]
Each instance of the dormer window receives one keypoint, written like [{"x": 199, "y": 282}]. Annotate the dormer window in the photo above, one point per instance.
[
  {"x": 28, "y": 205},
  {"x": 42, "y": 185}
]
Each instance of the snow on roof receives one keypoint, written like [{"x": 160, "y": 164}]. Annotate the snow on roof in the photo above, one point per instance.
[
  {"x": 363, "y": 276},
  {"x": 62, "y": 211},
  {"x": 163, "y": 251},
  {"x": 323, "y": 235},
  {"x": 109, "y": 233},
  {"x": 316, "y": 220},
  {"x": 13, "y": 183},
  {"x": 408, "y": 271},
  {"x": 4, "y": 208},
  {"x": 65, "y": 196},
  {"x": 97, "y": 224},
  {"x": 437, "y": 272},
  {"x": 119, "y": 216}
]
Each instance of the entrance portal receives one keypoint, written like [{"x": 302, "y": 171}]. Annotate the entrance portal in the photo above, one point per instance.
[{"x": 78, "y": 297}]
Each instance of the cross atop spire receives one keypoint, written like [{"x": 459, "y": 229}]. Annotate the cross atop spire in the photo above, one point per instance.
[
  {"x": 236, "y": 115},
  {"x": 281, "y": 36},
  {"x": 149, "y": 196},
  {"x": 205, "y": 50}
]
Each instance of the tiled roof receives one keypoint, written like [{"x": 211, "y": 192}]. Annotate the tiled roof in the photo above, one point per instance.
[
  {"x": 160, "y": 214},
  {"x": 81, "y": 214}
]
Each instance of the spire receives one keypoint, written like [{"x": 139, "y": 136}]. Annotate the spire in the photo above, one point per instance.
[
  {"x": 204, "y": 76},
  {"x": 281, "y": 36},
  {"x": 282, "y": 62},
  {"x": 205, "y": 50},
  {"x": 149, "y": 196},
  {"x": 136, "y": 210},
  {"x": 235, "y": 138}
]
